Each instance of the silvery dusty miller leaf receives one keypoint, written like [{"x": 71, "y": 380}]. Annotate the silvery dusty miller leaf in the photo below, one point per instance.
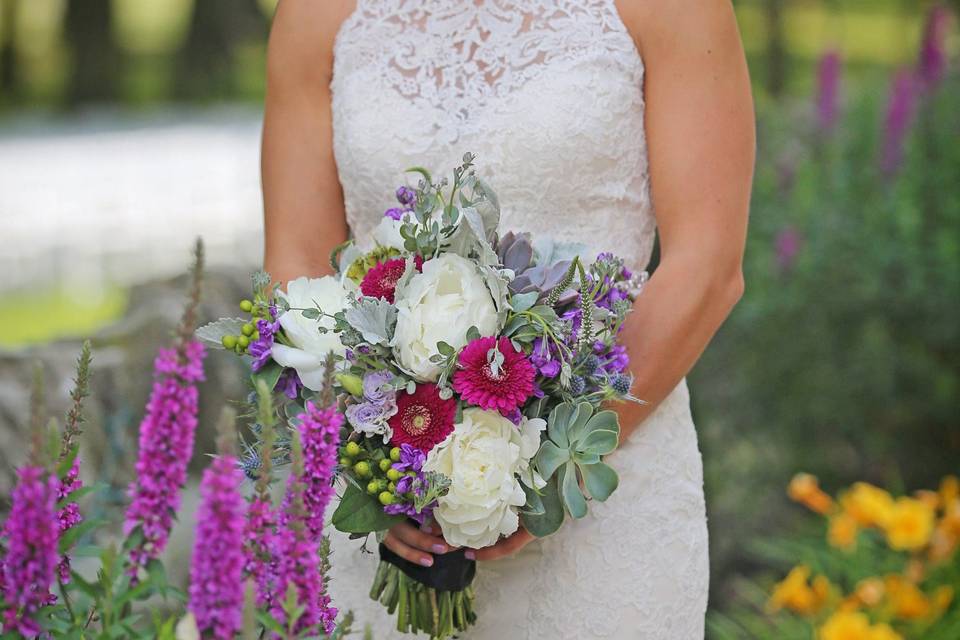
[
  {"x": 374, "y": 319},
  {"x": 212, "y": 333}
]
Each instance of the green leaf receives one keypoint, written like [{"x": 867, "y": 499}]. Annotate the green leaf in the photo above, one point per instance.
[
  {"x": 558, "y": 423},
  {"x": 549, "y": 458},
  {"x": 422, "y": 171},
  {"x": 578, "y": 423},
  {"x": 513, "y": 325},
  {"x": 268, "y": 374},
  {"x": 570, "y": 491},
  {"x": 599, "y": 442},
  {"x": 76, "y": 532},
  {"x": 359, "y": 512},
  {"x": 64, "y": 466},
  {"x": 78, "y": 494},
  {"x": 600, "y": 480},
  {"x": 523, "y": 301},
  {"x": 552, "y": 517}
]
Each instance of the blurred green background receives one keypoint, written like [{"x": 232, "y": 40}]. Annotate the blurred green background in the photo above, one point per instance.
[{"x": 842, "y": 359}]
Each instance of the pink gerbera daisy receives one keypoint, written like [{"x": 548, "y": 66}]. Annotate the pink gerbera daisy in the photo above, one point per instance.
[
  {"x": 493, "y": 382},
  {"x": 423, "y": 418},
  {"x": 381, "y": 280}
]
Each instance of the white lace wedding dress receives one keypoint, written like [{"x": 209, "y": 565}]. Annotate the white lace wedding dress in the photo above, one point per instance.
[{"x": 549, "y": 96}]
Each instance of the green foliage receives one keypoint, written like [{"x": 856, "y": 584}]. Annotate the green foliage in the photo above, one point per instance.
[{"x": 360, "y": 512}]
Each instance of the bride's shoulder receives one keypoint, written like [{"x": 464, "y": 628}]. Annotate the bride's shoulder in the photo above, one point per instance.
[{"x": 303, "y": 35}]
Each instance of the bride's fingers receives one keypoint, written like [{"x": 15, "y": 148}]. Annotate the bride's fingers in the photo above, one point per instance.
[
  {"x": 505, "y": 547},
  {"x": 413, "y": 537},
  {"x": 405, "y": 551}
]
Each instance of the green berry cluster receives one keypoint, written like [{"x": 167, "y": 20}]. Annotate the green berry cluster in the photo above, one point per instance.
[
  {"x": 376, "y": 469},
  {"x": 248, "y": 332}
]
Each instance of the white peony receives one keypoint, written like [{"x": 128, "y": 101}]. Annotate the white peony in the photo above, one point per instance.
[
  {"x": 309, "y": 346},
  {"x": 387, "y": 231},
  {"x": 440, "y": 305},
  {"x": 484, "y": 457}
]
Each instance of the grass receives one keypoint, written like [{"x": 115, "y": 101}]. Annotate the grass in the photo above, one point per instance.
[{"x": 36, "y": 318}]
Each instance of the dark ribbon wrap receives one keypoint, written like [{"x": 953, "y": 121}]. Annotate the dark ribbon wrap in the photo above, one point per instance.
[{"x": 451, "y": 571}]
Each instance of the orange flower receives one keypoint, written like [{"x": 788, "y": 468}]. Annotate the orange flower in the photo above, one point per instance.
[
  {"x": 842, "y": 532},
  {"x": 805, "y": 489},
  {"x": 949, "y": 491},
  {"x": 796, "y": 594},
  {"x": 869, "y": 592},
  {"x": 906, "y": 600},
  {"x": 870, "y": 506},
  {"x": 853, "y": 625},
  {"x": 909, "y": 525}
]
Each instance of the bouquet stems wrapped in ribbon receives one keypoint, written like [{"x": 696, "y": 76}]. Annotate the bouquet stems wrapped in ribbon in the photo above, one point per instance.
[{"x": 471, "y": 366}]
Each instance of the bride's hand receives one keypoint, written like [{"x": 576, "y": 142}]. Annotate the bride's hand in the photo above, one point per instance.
[
  {"x": 413, "y": 544},
  {"x": 505, "y": 547}
]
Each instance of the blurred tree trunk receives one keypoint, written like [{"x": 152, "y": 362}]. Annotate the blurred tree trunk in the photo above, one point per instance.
[
  {"x": 96, "y": 57},
  {"x": 205, "y": 63},
  {"x": 8, "y": 51},
  {"x": 776, "y": 48}
]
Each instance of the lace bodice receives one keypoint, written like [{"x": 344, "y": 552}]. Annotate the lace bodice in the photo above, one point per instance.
[{"x": 547, "y": 93}]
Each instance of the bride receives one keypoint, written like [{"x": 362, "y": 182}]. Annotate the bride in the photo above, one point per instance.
[{"x": 597, "y": 121}]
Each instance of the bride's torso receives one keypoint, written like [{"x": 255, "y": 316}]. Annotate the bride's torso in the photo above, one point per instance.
[{"x": 548, "y": 94}]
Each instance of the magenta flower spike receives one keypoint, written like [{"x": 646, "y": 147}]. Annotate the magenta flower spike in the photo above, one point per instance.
[
  {"x": 69, "y": 515},
  {"x": 932, "y": 65},
  {"x": 30, "y": 565},
  {"x": 319, "y": 434},
  {"x": 259, "y": 536},
  {"x": 216, "y": 571},
  {"x": 901, "y": 109},
  {"x": 166, "y": 445},
  {"x": 828, "y": 91}
]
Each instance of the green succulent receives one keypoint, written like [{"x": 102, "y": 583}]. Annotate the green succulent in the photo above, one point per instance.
[{"x": 577, "y": 438}]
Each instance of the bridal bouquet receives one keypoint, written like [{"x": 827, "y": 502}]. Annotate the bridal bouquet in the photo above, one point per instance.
[{"x": 471, "y": 368}]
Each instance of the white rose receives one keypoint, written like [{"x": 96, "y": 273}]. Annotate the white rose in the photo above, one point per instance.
[
  {"x": 440, "y": 305},
  {"x": 309, "y": 346},
  {"x": 484, "y": 457}
]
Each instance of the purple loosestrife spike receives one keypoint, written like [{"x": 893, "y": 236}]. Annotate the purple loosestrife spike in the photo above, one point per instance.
[
  {"x": 216, "y": 572},
  {"x": 261, "y": 521},
  {"x": 297, "y": 554},
  {"x": 166, "y": 446},
  {"x": 900, "y": 114},
  {"x": 30, "y": 564},
  {"x": 828, "y": 91},
  {"x": 319, "y": 435},
  {"x": 69, "y": 515},
  {"x": 932, "y": 66}
]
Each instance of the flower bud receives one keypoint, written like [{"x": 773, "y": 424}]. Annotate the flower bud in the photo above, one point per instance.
[
  {"x": 351, "y": 384},
  {"x": 246, "y": 306},
  {"x": 373, "y": 487},
  {"x": 392, "y": 487},
  {"x": 228, "y": 342},
  {"x": 345, "y": 462},
  {"x": 395, "y": 454},
  {"x": 243, "y": 342},
  {"x": 247, "y": 329},
  {"x": 386, "y": 498},
  {"x": 393, "y": 474},
  {"x": 352, "y": 449},
  {"x": 362, "y": 469},
  {"x": 385, "y": 464}
]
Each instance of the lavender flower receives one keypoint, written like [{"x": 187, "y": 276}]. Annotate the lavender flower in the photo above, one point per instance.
[
  {"x": 377, "y": 389},
  {"x": 30, "y": 564},
  {"x": 545, "y": 358},
  {"x": 406, "y": 196},
  {"x": 612, "y": 359},
  {"x": 412, "y": 460},
  {"x": 68, "y": 516},
  {"x": 394, "y": 213},
  {"x": 828, "y": 91},
  {"x": 166, "y": 445},
  {"x": 932, "y": 66},
  {"x": 900, "y": 113},
  {"x": 379, "y": 404},
  {"x": 216, "y": 572},
  {"x": 289, "y": 383}
]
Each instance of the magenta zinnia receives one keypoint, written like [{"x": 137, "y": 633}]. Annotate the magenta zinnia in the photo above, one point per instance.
[
  {"x": 493, "y": 382},
  {"x": 30, "y": 564},
  {"x": 423, "y": 419},
  {"x": 216, "y": 572},
  {"x": 166, "y": 445}
]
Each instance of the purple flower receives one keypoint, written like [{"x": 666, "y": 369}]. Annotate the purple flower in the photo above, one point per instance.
[
  {"x": 545, "y": 359},
  {"x": 394, "y": 213},
  {"x": 787, "y": 246},
  {"x": 932, "y": 65},
  {"x": 69, "y": 516},
  {"x": 406, "y": 196},
  {"x": 900, "y": 113},
  {"x": 376, "y": 387},
  {"x": 828, "y": 91},
  {"x": 216, "y": 572},
  {"x": 320, "y": 434},
  {"x": 298, "y": 564},
  {"x": 30, "y": 564},
  {"x": 259, "y": 533},
  {"x": 515, "y": 416},
  {"x": 289, "y": 383},
  {"x": 613, "y": 359},
  {"x": 261, "y": 349},
  {"x": 166, "y": 446},
  {"x": 411, "y": 458}
]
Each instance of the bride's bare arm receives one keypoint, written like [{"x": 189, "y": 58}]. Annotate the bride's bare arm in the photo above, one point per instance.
[
  {"x": 700, "y": 136},
  {"x": 302, "y": 199}
]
